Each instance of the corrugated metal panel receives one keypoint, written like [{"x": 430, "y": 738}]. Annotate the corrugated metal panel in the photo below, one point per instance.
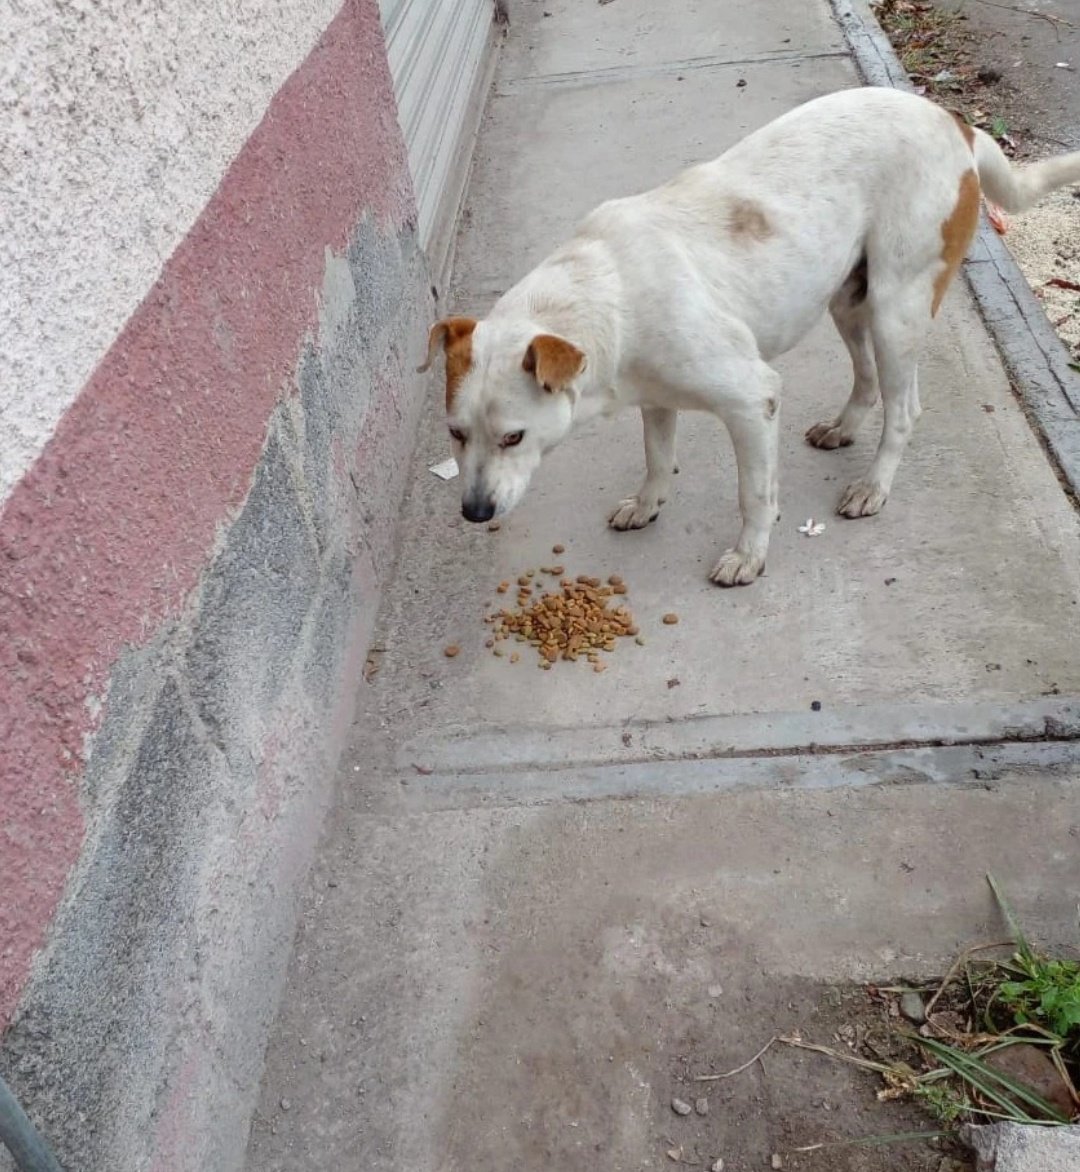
[{"x": 436, "y": 50}]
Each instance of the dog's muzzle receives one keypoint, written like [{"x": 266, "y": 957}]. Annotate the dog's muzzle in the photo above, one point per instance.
[{"x": 478, "y": 509}]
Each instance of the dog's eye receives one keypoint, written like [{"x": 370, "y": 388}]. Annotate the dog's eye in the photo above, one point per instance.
[
  {"x": 511, "y": 439},
  {"x": 457, "y": 434}
]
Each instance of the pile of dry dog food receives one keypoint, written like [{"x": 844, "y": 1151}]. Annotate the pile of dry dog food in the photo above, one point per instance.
[{"x": 580, "y": 619}]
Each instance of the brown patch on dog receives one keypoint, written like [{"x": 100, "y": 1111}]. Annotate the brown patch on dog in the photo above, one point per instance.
[
  {"x": 553, "y": 361},
  {"x": 965, "y": 129},
  {"x": 771, "y": 407},
  {"x": 745, "y": 218},
  {"x": 458, "y": 362},
  {"x": 956, "y": 234},
  {"x": 454, "y": 334}
]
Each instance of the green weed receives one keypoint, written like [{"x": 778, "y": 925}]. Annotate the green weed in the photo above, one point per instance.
[{"x": 1047, "y": 993}]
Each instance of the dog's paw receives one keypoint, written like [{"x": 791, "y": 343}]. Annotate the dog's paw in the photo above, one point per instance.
[
  {"x": 862, "y": 499},
  {"x": 737, "y": 569},
  {"x": 634, "y": 513},
  {"x": 828, "y": 436}
]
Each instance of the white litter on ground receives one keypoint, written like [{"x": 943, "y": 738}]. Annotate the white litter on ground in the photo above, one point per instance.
[
  {"x": 447, "y": 470},
  {"x": 812, "y": 528}
]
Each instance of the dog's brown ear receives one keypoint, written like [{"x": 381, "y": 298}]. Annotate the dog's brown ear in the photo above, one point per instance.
[
  {"x": 445, "y": 333},
  {"x": 554, "y": 362}
]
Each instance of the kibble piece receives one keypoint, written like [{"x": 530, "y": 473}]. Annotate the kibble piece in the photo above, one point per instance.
[
  {"x": 618, "y": 588},
  {"x": 599, "y": 667},
  {"x": 523, "y": 580},
  {"x": 489, "y": 643},
  {"x": 556, "y": 571},
  {"x": 514, "y": 657},
  {"x": 671, "y": 618},
  {"x": 640, "y": 640},
  {"x": 558, "y": 549},
  {"x": 502, "y": 587},
  {"x": 498, "y": 651},
  {"x": 615, "y": 580},
  {"x": 451, "y": 651},
  {"x": 494, "y": 526}
]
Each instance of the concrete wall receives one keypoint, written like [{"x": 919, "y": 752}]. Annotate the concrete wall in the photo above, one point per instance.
[
  {"x": 212, "y": 301},
  {"x": 119, "y": 128}
]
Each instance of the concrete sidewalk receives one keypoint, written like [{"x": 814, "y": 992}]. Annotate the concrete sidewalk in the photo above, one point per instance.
[{"x": 543, "y": 897}]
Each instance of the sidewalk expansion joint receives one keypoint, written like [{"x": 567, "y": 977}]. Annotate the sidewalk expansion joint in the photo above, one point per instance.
[
  {"x": 869, "y": 729},
  {"x": 981, "y": 765},
  {"x": 510, "y": 87}
]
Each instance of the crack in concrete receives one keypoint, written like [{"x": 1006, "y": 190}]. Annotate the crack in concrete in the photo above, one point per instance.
[
  {"x": 981, "y": 764},
  {"x": 872, "y": 729},
  {"x": 1053, "y": 733},
  {"x": 623, "y": 73}
]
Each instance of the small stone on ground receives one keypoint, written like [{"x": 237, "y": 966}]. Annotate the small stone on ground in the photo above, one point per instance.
[
  {"x": 912, "y": 1007},
  {"x": 1014, "y": 1147}
]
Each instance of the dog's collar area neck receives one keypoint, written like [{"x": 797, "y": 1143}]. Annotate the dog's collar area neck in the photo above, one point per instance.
[{"x": 585, "y": 406}]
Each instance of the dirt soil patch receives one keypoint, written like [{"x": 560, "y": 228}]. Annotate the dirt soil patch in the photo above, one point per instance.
[
  {"x": 791, "y": 1099},
  {"x": 996, "y": 1037}
]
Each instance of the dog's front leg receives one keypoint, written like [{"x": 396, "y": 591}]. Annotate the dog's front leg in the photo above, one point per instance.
[
  {"x": 753, "y": 423},
  {"x": 637, "y": 511}
]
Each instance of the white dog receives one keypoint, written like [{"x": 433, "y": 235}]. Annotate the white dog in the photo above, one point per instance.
[{"x": 863, "y": 202}]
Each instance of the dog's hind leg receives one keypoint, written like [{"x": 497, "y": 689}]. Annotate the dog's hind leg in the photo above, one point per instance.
[
  {"x": 899, "y": 323},
  {"x": 852, "y": 319},
  {"x": 637, "y": 511}
]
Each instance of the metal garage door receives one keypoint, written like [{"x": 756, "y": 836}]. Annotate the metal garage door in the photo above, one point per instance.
[{"x": 439, "y": 52}]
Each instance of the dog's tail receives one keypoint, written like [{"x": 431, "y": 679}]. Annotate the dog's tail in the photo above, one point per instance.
[{"x": 1018, "y": 188}]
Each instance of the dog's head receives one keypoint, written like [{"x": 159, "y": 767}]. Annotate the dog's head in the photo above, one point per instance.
[{"x": 510, "y": 396}]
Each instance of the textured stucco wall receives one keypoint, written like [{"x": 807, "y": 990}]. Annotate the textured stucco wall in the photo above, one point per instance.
[
  {"x": 189, "y": 572},
  {"x": 119, "y": 121}
]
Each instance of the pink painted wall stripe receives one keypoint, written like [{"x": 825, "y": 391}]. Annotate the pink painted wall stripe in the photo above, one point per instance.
[{"x": 107, "y": 534}]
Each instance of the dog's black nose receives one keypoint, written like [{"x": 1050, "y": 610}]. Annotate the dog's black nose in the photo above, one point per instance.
[{"x": 478, "y": 511}]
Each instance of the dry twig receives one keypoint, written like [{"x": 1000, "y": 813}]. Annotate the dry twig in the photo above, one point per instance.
[
  {"x": 739, "y": 1069},
  {"x": 956, "y": 965}
]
